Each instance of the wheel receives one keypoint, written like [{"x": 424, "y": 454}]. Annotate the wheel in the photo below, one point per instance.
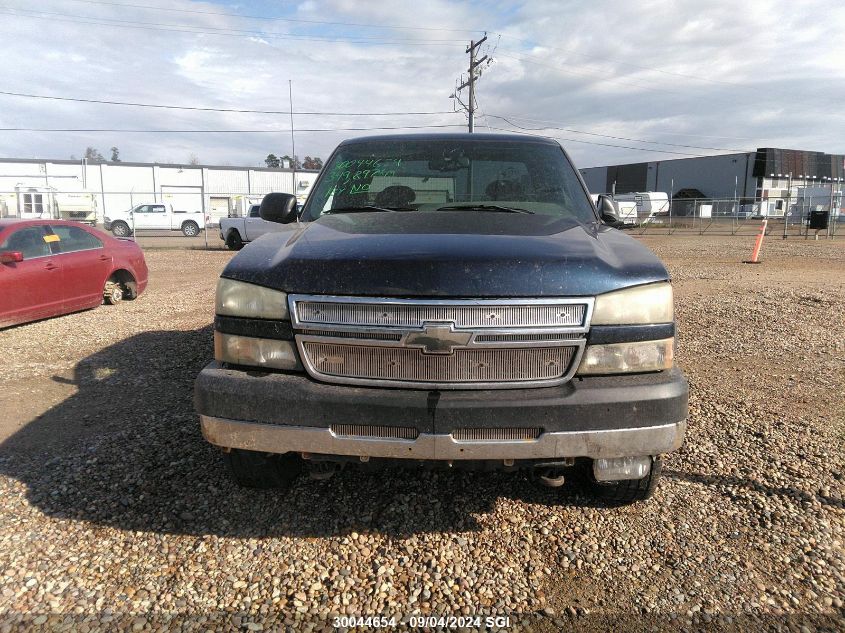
[
  {"x": 252, "y": 469},
  {"x": 190, "y": 229},
  {"x": 627, "y": 490},
  {"x": 113, "y": 292},
  {"x": 120, "y": 229},
  {"x": 234, "y": 241}
]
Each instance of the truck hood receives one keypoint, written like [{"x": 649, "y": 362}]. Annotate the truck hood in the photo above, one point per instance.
[{"x": 447, "y": 254}]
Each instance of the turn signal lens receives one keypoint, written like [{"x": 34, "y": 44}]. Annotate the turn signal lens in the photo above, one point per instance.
[
  {"x": 623, "y": 358},
  {"x": 255, "y": 352}
]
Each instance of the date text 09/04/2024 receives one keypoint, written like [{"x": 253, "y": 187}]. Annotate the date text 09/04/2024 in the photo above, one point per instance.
[{"x": 423, "y": 621}]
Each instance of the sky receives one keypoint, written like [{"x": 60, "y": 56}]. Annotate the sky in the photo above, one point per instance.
[{"x": 614, "y": 81}]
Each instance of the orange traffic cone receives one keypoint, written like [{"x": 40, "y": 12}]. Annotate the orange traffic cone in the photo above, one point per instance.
[{"x": 758, "y": 244}]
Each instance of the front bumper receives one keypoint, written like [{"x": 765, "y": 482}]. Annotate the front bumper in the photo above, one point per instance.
[
  {"x": 269, "y": 438},
  {"x": 614, "y": 416}
]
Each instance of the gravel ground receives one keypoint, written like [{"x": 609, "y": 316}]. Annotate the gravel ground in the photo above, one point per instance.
[{"x": 116, "y": 515}]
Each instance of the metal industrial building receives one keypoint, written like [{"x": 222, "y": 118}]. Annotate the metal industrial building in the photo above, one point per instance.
[
  {"x": 82, "y": 190},
  {"x": 771, "y": 178}
]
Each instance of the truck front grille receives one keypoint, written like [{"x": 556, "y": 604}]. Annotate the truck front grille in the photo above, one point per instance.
[
  {"x": 403, "y": 364},
  {"x": 440, "y": 343}
]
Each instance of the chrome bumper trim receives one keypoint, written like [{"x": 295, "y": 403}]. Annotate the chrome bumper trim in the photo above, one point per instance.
[{"x": 271, "y": 438}]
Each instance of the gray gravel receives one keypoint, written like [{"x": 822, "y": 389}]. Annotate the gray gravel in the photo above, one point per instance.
[{"x": 115, "y": 514}]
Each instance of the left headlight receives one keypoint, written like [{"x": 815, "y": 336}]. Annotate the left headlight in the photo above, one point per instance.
[
  {"x": 240, "y": 299},
  {"x": 623, "y": 358},
  {"x": 648, "y": 304}
]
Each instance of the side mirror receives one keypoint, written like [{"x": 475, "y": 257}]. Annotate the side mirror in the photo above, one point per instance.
[
  {"x": 278, "y": 207},
  {"x": 607, "y": 212},
  {"x": 11, "y": 257}
]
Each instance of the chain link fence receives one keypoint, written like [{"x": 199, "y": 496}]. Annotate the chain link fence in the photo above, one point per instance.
[
  {"x": 801, "y": 217},
  {"x": 193, "y": 220},
  {"x": 153, "y": 219}
]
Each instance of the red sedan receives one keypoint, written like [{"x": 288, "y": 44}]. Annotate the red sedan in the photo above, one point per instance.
[{"x": 53, "y": 267}]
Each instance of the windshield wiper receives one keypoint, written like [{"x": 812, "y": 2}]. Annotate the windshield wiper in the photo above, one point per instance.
[
  {"x": 484, "y": 207},
  {"x": 366, "y": 208}
]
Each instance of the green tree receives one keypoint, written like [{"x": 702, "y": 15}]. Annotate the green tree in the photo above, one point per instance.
[
  {"x": 312, "y": 163},
  {"x": 272, "y": 161},
  {"x": 115, "y": 155},
  {"x": 92, "y": 154},
  {"x": 290, "y": 161}
]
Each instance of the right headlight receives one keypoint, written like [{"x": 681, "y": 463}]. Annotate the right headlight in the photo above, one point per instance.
[
  {"x": 639, "y": 305},
  {"x": 241, "y": 299}
]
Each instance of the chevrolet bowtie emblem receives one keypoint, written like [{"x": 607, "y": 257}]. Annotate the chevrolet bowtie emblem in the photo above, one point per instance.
[{"x": 438, "y": 338}]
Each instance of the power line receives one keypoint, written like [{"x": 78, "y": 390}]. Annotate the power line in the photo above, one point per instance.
[
  {"x": 614, "y": 60},
  {"x": 250, "y": 131},
  {"x": 558, "y": 123},
  {"x": 618, "y": 138},
  {"x": 206, "y": 109},
  {"x": 177, "y": 28},
  {"x": 592, "y": 75},
  {"x": 575, "y": 140},
  {"x": 278, "y": 19}
]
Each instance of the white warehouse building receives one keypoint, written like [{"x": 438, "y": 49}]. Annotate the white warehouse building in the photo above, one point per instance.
[{"x": 87, "y": 191}]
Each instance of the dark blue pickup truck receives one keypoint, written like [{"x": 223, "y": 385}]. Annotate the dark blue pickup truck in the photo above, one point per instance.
[{"x": 446, "y": 299}]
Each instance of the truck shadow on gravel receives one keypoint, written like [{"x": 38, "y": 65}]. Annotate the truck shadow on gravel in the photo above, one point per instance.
[{"x": 126, "y": 451}]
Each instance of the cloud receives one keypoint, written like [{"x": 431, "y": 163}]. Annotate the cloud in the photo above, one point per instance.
[{"x": 721, "y": 75}]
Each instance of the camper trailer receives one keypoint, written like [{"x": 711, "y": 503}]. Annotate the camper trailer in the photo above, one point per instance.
[
  {"x": 48, "y": 203},
  {"x": 642, "y": 206}
]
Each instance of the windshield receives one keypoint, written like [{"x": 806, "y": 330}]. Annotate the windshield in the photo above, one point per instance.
[{"x": 458, "y": 176}]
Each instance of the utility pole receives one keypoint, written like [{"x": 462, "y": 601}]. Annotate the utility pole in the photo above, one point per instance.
[
  {"x": 292, "y": 141},
  {"x": 474, "y": 74}
]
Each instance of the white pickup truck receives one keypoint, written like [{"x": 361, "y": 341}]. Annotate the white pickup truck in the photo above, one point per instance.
[
  {"x": 238, "y": 231},
  {"x": 159, "y": 216}
]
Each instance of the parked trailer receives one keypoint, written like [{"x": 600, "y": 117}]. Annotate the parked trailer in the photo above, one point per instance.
[
  {"x": 638, "y": 208},
  {"x": 36, "y": 203},
  {"x": 642, "y": 206}
]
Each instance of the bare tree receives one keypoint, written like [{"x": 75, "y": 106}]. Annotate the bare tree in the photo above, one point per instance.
[{"x": 193, "y": 159}]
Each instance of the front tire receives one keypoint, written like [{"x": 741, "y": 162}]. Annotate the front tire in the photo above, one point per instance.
[
  {"x": 252, "y": 469},
  {"x": 120, "y": 229},
  {"x": 626, "y": 491},
  {"x": 190, "y": 229},
  {"x": 234, "y": 241}
]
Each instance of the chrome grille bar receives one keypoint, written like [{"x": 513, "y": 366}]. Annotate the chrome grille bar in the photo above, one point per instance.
[
  {"x": 521, "y": 337},
  {"x": 367, "y": 312},
  {"x": 467, "y": 365}
]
